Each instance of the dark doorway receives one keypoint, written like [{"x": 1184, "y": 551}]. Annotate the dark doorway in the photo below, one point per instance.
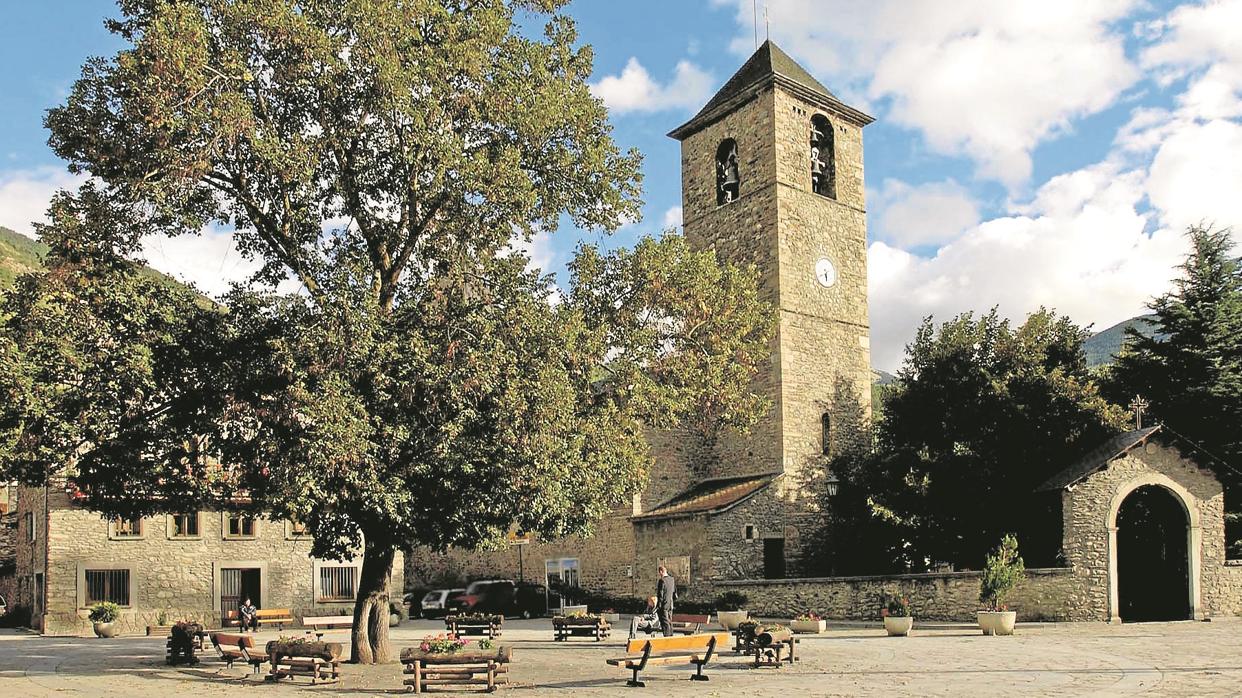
[
  {"x": 773, "y": 558},
  {"x": 1153, "y": 571},
  {"x": 237, "y": 585}
]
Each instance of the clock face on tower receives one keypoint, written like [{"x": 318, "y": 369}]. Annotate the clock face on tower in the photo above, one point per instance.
[{"x": 825, "y": 273}]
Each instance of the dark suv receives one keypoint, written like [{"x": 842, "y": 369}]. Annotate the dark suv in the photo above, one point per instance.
[{"x": 502, "y": 597}]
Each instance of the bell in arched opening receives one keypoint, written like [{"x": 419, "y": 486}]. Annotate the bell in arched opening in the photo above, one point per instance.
[
  {"x": 728, "y": 179},
  {"x": 823, "y": 157}
]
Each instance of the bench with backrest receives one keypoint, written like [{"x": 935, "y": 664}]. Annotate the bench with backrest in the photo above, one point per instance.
[
  {"x": 233, "y": 647},
  {"x": 320, "y": 623},
  {"x": 695, "y": 649},
  {"x": 689, "y": 623},
  {"x": 280, "y": 617}
]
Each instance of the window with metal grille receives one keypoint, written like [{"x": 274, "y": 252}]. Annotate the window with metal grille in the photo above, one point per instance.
[
  {"x": 337, "y": 583},
  {"x": 185, "y": 525},
  {"x": 107, "y": 585},
  {"x": 241, "y": 526},
  {"x": 127, "y": 528}
]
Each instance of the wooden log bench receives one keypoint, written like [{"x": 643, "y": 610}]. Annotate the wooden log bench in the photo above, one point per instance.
[
  {"x": 460, "y": 626},
  {"x": 184, "y": 641},
  {"x": 321, "y": 661},
  {"x": 685, "y": 649},
  {"x": 564, "y": 627},
  {"x": 465, "y": 667},
  {"x": 233, "y": 647},
  {"x": 317, "y": 624},
  {"x": 769, "y": 644}
]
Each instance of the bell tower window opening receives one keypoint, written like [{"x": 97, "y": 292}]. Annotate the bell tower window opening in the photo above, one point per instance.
[
  {"x": 727, "y": 175},
  {"x": 823, "y": 157}
]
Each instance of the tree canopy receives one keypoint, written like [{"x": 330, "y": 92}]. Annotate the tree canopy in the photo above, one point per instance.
[
  {"x": 982, "y": 414},
  {"x": 424, "y": 387}
]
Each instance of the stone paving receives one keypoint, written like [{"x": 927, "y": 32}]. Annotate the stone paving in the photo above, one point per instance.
[{"x": 1073, "y": 659}]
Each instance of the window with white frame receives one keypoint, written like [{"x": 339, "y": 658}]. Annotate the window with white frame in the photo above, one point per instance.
[
  {"x": 127, "y": 527},
  {"x": 238, "y": 526},
  {"x": 185, "y": 525}
]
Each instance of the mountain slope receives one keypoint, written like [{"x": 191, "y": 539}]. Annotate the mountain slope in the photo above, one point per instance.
[
  {"x": 1102, "y": 347},
  {"x": 18, "y": 255}
]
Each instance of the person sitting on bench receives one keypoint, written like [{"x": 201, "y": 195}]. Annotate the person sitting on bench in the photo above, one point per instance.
[
  {"x": 647, "y": 622},
  {"x": 249, "y": 616}
]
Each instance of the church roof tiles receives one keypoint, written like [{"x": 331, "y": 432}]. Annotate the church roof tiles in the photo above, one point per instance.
[{"x": 1097, "y": 458}]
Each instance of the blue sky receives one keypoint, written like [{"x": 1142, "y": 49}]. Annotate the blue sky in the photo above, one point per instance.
[{"x": 1024, "y": 154}]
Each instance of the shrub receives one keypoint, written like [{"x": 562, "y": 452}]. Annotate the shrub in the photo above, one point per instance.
[
  {"x": 1001, "y": 573},
  {"x": 731, "y": 601},
  {"x": 105, "y": 612},
  {"x": 896, "y": 606},
  {"x": 396, "y": 609}
]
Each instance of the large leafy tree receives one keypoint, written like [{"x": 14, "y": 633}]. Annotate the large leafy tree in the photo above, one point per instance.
[
  {"x": 981, "y": 415},
  {"x": 425, "y": 388},
  {"x": 1189, "y": 368}
]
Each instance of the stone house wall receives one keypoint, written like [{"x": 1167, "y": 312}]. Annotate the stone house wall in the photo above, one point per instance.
[
  {"x": 945, "y": 596},
  {"x": 175, "y": 576}
]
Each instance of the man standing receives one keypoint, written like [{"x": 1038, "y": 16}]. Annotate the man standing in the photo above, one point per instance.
[{"x": 666, "y": 589}]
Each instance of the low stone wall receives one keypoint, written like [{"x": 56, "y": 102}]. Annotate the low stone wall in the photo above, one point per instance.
[{"x": 1045, "y": 594}]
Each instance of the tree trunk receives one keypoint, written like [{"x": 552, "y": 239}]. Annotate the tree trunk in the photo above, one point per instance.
[{"x": 369, "y": 640}]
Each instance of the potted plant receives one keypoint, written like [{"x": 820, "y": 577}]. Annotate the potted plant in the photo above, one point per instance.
[
  {"x": 898, "y": 620},
  {"x": 162, "y": 626},
  {"x": 103, "y": 616},
  {"x": 808, "y": 623},
  {"x": 729, "y": 609},
  {"x": 396, "y": 614},
  {"x": 1001, "y": 573}
]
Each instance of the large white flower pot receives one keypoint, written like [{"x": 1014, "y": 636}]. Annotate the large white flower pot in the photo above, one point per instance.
[
  {"x": 809, "y": 626},
  {"x": 997, "y": 622},
  {"x": 104, "y": 629},
  {"x": 729, "y": 619},
  {"x": 898, "y": 626}
]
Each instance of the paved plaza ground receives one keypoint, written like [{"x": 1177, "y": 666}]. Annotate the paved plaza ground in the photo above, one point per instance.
[{"x": 1078, "y": 659}]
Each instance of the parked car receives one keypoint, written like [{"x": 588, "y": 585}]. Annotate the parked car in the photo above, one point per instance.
[
  {"x": 501, "y": 596},
  {"x": 4, "y": 607},
  {"x": 435, "y": 603}
]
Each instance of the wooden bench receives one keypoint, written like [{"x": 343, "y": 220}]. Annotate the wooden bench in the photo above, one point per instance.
[
  {"x": 271, "y": 616},
  {"x": 564, "y": 627},
  {"x": 232, "y": 647},
  {"x": 184, "y": 642},
  {"x": 460, "y": 626},
  {"x": 321, "y": 661},
  {"x": 466, "y": 667},
  {"x": 767, "y": 644},
  {"x": 687, "y": 649},
  {"x": 689, "y": 623},
  {"x": 318, "y": 624}
]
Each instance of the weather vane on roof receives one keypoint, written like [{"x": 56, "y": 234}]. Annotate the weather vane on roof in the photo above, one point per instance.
[{"x": 1139, "y": 406}]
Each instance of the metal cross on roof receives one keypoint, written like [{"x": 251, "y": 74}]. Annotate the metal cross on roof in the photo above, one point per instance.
[{"x": 1138, "y": 405}]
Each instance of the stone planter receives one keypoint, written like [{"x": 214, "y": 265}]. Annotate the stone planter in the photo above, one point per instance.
[
  {"x": 730, "y": 619},
  {"x": 393, "y": 620},
  {"x": 809, "y": 626},
  {"x": 104, "y": 629},
  {"x": 997, "y": 622},
  {"x": 898, "y": 626}
]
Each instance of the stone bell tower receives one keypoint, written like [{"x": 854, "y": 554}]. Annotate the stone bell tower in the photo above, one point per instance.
[{"x": 772, "y": 175}]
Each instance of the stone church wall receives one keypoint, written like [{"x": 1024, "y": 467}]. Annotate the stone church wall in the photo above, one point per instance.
[{"x": 1044, "y": 595}]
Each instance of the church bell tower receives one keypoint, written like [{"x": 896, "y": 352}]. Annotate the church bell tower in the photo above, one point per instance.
[{"x": 772, "y": 175}]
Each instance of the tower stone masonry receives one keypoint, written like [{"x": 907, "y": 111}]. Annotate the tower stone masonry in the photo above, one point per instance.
[{"x": 799, "y": 216}]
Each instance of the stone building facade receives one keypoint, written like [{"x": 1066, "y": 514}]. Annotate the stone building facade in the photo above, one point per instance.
[
  {"x": 192, "y": 566},
  {"x": 772, "y": 175}
]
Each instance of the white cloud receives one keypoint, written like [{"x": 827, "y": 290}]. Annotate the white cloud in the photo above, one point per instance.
[
  {"x": 1078, "y": 247},
  {"x": 209, "y": 260},
  {"x": 635, "y": 90},
  {"x": 672, "y": 218},
  {"x": 923, "y": 214},
  {"x": 1196, "y": 175},
  {"x": 25, "y": 195},
  {"x": 988, "y": 80}
]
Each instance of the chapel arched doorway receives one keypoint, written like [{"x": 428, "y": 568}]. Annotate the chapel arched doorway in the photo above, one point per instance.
[{"x": 1153, "y": 563}]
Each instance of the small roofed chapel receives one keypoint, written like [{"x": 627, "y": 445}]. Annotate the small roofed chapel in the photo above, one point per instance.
[{"x": 772, "y": 175}]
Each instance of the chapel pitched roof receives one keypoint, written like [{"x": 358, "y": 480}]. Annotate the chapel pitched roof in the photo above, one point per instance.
[
  {"x": 710, "y": 497},
  {"x": 1097, "y": 458},
  {"x": 768, "y": 65}
]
